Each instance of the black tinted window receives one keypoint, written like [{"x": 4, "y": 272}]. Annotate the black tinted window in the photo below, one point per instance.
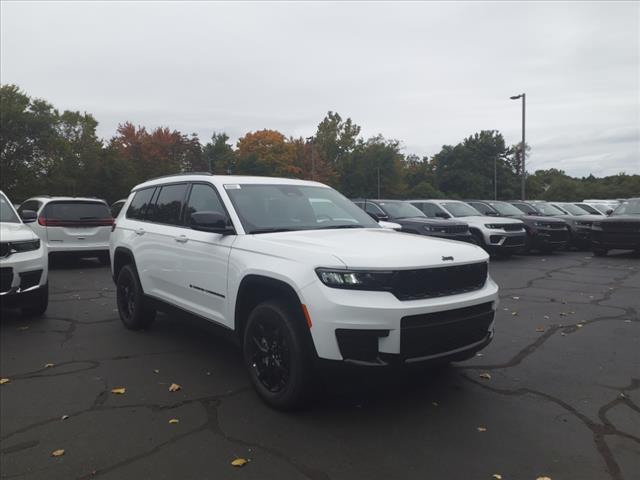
[
  {"x": 429, "y": 209},
  {"x": 140, "y": 203},
  {"x": 203, "y": 198},
  {"x": 168, "y": 206},
  {"x": 481, "y": 207},
  {"x": 29, "y": 205},
  {"x": 76, "y": 211}
]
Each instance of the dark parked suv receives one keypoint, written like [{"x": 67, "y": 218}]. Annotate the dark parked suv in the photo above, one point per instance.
[
  {"x": 620, "y": 230},
  {"x": 413, "y": 220},
  {"x": 544, "y": 233}
]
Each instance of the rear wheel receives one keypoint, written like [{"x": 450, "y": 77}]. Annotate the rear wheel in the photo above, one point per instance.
[
  {"x": 274, "y": 354},
  {"x": 134, "y": 314},
  {"x": 36, "y": 302}
]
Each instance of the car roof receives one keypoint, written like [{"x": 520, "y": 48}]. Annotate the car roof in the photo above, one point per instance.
[{"x": 220, "y": 180}]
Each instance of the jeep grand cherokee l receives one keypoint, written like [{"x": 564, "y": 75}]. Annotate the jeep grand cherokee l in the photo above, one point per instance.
[
  {"x": 23, "y": 262},
  {"x": 621, "y": 230},
  {"x": 412, "y": 220},
  {"x": 295, "y": 285}
]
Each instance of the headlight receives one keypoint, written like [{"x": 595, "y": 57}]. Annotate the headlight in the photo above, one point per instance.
[
  {"x": 27, "y": 246},
  {"x": 427, "y": 228},
  {"x": 540, "y": 224},
  {"x": 356, "y": 280},
  {"x": 493, "y": 226}
]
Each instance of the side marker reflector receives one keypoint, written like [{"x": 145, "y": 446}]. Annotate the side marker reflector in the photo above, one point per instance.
[{"x": 306, "y": 315}]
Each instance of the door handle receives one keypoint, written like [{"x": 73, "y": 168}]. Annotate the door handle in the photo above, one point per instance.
[
  {"x": 181, "y": 239},
  {"x": 140, "y": 231}
]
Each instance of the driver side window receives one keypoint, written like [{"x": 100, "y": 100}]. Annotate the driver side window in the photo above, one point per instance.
[{"x": 203, "y": 198}]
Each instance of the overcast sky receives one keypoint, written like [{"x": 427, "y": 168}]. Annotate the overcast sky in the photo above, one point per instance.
[{"x": 427, "y": 74}]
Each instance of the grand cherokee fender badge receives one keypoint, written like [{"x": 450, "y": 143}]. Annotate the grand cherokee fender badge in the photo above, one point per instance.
[{"x": 445, "y": 259}]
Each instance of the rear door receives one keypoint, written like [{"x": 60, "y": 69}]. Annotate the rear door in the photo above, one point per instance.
[{"x": 77, "y": 223}]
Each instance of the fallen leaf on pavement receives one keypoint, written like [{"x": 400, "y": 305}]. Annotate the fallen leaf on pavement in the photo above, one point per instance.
[
  {"x": 562, "y": 314},
  {"x": 174, "y": 387},
  {"x": 435, "y": 404},
  {"x": 546, "y": 317},
  {"x": 49, "y": 365},
  {"x": 23, "y": 328},
  {"x": 156, "y": 371},
  {"x": 516, "y": 298},
  {"x": 497, "y": 476},
  {"x": 540, "y": 329},
  {"x": 485, "y": 375},
  {"x": 174, "y": 420},
  {"x": 482, "y": 429},
  {"x": 4, "y": 380},
  {"x": 57, "y": 453},
  {"x": 64, "y": 417},
  {"x": 514, "y": 313},
  {"x": 239, "y": 462},
  {"x": 119, "y": 390},
  {"x": 579, "y": 325},
  {"x": 543, "y": 478},
  {"x": 479, "y": 354}
]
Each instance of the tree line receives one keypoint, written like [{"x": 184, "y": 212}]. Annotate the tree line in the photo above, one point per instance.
[{"x": 44, "y": 151}]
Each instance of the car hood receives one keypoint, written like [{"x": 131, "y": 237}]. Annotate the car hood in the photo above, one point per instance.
[
  {"x": 539, "y": 218},
  {"x": 482, "y": 220},
  {"x": 14, "y": 232},
  {"x": 581, "y": 218},
  {"x": 363, "y": 248},
  {"x": 622, "y": 218}
]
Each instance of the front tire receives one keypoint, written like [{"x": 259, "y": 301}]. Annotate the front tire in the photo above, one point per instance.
[
  {"x": 36, "y": 302},
  {"x": 275, "y": 357},
  {"x": 135, "y": 315}
]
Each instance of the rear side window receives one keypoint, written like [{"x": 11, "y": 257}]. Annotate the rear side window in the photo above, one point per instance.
[
  {"x": 30, "y": 205},
  {"x": 429, "y": 209},
  {"x": 168, "y": 206},
  {"x": 481, "y": 207},
  {"x": 140, "y": 203},
  {"x": 75, "y": 211}
]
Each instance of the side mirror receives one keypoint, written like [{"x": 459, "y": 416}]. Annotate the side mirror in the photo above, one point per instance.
[
  {"x": 491, "y": 214},
  {"x": 442, "y": 215},
  {"x": 214, "y": 222},
  {"x": 378, "y": 218},
  {"x": 609, "y": 211},
  {"x": 28, "y": 216}
]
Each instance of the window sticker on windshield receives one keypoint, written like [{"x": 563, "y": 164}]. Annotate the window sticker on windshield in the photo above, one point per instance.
[{"x": 232, "y": 186}]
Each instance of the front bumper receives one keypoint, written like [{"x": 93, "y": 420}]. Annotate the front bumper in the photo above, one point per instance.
[
  {"x": 613, "y": 240},
  {"x": 465, "y": 237},
  {"x": 499, "y": 240},
  {"x": 555, "y": 238},
  {"x": 23, "y": 272},
  {"x": 398, "y": 331},
  {"x": 581, "y": 236},
  {"x": 78, "y": 248}
]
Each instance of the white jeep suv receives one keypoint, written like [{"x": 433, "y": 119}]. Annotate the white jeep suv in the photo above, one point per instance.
[
  {"x": 494, "y": 234},
  {"x": 72, "y": 225},
  {"x": 23, "y": 263},
  {"x": 296, "y": 285}
]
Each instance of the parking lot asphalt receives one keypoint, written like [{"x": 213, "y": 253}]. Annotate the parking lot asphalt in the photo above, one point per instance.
[{"x": 557, "y": 393}]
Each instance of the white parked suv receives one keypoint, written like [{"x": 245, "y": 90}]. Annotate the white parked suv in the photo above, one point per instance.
[
  {"x": 494, "y": 234},
  {"x": 72, "y": 225},
  {"x": 298, "y": 285},
  {"x": 23, "y": 263}
]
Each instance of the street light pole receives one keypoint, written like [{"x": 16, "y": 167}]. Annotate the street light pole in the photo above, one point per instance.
[
  {"x": 495, "y": 178},
  {"x": 522, "y": 146},
  {"x": 312, "y": 140}
]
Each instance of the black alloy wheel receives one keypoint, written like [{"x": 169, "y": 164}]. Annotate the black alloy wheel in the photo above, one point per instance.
[{"x": 130, "y": 300}]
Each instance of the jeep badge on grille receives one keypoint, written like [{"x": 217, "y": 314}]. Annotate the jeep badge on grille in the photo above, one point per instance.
[{"x": 450, "y": 259}]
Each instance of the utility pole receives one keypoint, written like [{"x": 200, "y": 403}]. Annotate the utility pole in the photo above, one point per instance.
[
  {"x": 495, "y": 177},
  {"x": 378, "y": 182},
  {"x": 522, "y": 146},
  {"x": 312, "y": 140}
]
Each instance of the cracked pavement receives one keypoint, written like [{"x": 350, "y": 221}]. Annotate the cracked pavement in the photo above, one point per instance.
[{"x": 558, "y": 392}]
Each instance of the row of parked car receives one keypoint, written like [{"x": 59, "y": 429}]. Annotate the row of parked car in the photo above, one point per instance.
[
  {"x": 516, "y": 226},
  {"x": 300, "y": 275}
]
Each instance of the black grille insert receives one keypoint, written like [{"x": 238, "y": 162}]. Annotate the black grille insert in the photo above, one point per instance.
[
  {"x": 512, "y": 227},
  {"x": 440, "y": 332},
  {"x": 438, "y": 282},
  {"x": 30, "y": 279},
  {"x": 5, "y": 248}
]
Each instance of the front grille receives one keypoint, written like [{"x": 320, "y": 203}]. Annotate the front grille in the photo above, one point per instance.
[
  {"x": 513, "y": 242},
  {"x": 512, "y": 227},
  {"x": 5, "y": 249},
  {"x": 456, "y": 229},
  {"x": 6, "y": 278},
  {"x": 440, "y": 332},
  {"x": 559, "y": 235},
  {"x": 30, "y": 279},
  {"x": 438, "y": 282},
  {"x": 554, "y": 225}
]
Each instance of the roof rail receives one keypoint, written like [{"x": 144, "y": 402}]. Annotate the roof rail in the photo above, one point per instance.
[{"x": 179, "y": 174}]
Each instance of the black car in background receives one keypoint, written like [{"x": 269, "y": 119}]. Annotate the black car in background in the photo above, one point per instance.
[
  {"x": 544, "y": 233},
  {"x": 413, "y": 220},
  {"x": 579, "y": 224},
  {"x": 620, "y": 230}
]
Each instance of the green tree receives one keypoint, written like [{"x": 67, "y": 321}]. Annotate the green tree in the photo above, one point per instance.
[{"x": 219, "y": 155}]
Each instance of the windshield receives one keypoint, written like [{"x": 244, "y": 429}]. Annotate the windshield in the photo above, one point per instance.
[
  {"x": 630, "y": 207},
  {"x": 589, "y": 208},
  {"x": 549, "y": 209},
  {"x": 272, "y": 208},
  {"x": 459, "y": 209},
  {"x": 7, "y": 212},
  {"x": 505, "y": 208},
  {"x": 573, "y": 209},
  {"x": 398, "y": 210}
]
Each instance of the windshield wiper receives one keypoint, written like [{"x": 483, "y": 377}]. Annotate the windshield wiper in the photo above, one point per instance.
[{"x": 271, "y": 230}]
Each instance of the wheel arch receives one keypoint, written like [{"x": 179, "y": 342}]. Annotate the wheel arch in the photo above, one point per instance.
[{"x": 122, "y": 256}]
